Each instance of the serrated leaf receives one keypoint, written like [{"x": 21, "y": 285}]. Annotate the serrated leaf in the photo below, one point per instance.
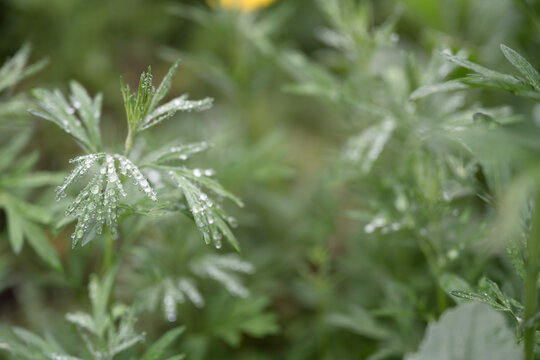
[{"x": 468, "y": 332}]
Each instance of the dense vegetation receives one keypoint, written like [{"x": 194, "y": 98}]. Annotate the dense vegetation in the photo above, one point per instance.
[{"x": 346, "y": 180}]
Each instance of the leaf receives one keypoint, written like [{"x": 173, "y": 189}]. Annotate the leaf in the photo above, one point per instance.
[
  {"x": 99, "y": 293},
  {"x": 41, "y": 244},
  {"x": 15, "y": 69},
  {"x": 167, "y": 110},
  {"x": 480, "y": 297},
  {"x": 209, "y": 218},
  {"x": 36, "y": 179},
  {"x": 364, "y": 148},
  {"x": 358, "y": 321},
  {"x": 9, "y": 151},
  {"x": 158, "y": 348},
  {"x": 82, "y": 320},
  {"x": 165, "y": 86},
  {"x": 468, "y": 332},
  {"x": 523, "y": 66},
  {"x": 248, "y": 316},
  {"x": 33, "y": 340},
  {"x": 138, "y": 105},
  {"x": 451, "y": 282},
  {"x": 221, "y": 268},
  {"x": 89, "y": 111},
  {"x": 30, "y": 211},
  {"x": 509, "y": 80},
  {"x": 487, "y": 78},
  {"x": 54, "y": 107},
  {"x": 98, "y": 203},
  {"x": 15, "y": 224},
  {"x": 174, "y": 152},
  {"x": 430, "y": 89}
]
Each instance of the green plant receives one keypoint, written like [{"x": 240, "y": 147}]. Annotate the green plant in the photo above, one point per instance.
[
  {"x": 101, "y": 202},
  {"x": 524, "y": 249},
  {"x": 17, "y": 182},
  {"x": 106, "y": 332}
]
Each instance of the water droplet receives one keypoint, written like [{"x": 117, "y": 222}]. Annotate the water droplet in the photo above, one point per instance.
[
  {"x": 95, "y": 189},
  {"x": 197, "y": 172},
  {"x": 232, "y": 221}
]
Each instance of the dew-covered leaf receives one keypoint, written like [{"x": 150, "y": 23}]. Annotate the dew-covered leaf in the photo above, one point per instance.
[
  {"x": 98, "y": 203},
  {"x": 209, "y": 217},
  {"x": 523, "y": 66},
  {"x": 167, "y": 110}
]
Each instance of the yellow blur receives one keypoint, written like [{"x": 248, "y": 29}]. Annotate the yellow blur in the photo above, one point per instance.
[{"x": 243, "y": 5}]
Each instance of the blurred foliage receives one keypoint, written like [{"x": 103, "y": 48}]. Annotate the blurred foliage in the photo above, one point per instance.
[{"x": 385, "y": 176}]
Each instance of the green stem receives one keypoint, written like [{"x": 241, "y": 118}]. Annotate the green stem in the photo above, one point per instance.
[
  {"x": 129, "y": 141},
  {"x": 531, "y": 279},
  {"x": 108, "y": 257}
]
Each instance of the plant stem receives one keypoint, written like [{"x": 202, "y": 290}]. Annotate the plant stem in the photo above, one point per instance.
[
  {"x": 531, "y": 279},
  {"x": 108, "y": 254},
  {"x": 129, "y": 141}
]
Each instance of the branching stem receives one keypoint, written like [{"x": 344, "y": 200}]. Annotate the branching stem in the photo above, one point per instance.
[{"x": 531, "y": 279}]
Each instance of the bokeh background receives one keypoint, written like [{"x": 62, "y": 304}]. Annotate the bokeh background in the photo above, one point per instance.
[{"x": 344, "y": 268}]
